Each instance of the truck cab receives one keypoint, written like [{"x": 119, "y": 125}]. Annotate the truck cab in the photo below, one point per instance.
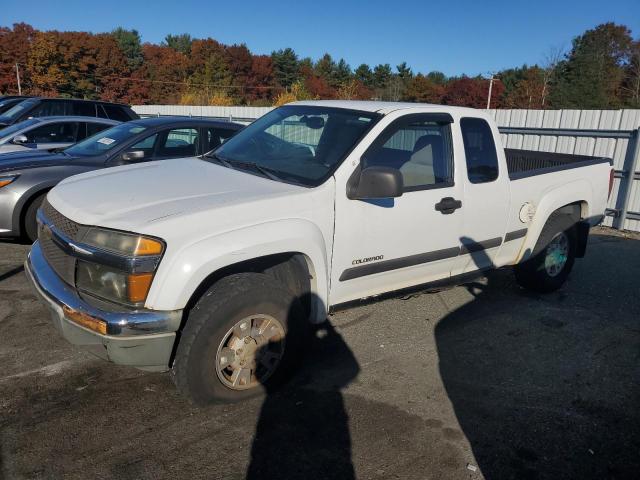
[{"x": 214, "y": 267}]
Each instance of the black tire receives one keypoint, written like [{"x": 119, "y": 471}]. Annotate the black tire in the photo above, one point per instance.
[
  {"x": 534, "y": 274},
  {"x": 30, "y": 224},
  {"x": 208, "y": 324}
]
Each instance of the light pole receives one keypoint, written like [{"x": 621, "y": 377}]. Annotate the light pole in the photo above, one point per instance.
[
  {"x": 18, "y": 78},
  {"x": 490, "y": 89}
]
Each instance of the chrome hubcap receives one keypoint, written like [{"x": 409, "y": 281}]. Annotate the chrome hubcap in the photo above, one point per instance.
[
  {"x": 557, "y": 254},
  {"x": 250, "y": 352}
]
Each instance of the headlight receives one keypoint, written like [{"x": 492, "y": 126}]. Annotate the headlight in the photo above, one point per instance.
[
  {"x": 4, "y": 181},
  {"x": 114, "y": 285},
  {"x": 117, "y": 276},
  {"x": 124, "y": 243}
]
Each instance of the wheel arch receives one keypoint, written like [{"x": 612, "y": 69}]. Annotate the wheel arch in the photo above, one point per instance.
[
  {"x": 26, "y": 199},
  {"x": 277, "y": 246},
  {"x": 576, "y": 211}
]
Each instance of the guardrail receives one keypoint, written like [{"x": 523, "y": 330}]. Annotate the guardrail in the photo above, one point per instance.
[
  {"x": 620, "y": 211},
  {"x": 229, "y": 118}
]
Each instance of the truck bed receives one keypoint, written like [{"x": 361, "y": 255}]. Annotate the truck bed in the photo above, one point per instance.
[{"x": 528, "y": 163}]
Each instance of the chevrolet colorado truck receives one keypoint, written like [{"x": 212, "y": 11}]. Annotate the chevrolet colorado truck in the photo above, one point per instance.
[{"x": 213, "y": 267}]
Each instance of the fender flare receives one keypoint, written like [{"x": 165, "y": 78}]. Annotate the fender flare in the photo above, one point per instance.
[
  {"x": 181, "y": 272},
  {"x": 579, "y": 191}
]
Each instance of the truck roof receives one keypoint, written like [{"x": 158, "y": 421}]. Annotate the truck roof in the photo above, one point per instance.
[{"x": 385, "y": 107}]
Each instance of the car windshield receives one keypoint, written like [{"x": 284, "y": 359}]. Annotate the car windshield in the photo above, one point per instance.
[
  {"x": 17, "y": 110},
  {"x": 299, "y": 144},
  {"x": 105, "y": 140},
  {"x": 8, "y": 103},
  {"x": 8, "y": 132}
]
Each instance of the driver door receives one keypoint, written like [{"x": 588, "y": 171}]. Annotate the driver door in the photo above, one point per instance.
[{"x": 390, "y": 244}]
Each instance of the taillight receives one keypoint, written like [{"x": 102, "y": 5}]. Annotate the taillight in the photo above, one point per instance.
[{"x": 611, "y": 176}]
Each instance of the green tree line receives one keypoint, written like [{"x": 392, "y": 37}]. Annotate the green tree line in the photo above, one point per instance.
[{"x": 601, "y": 69}]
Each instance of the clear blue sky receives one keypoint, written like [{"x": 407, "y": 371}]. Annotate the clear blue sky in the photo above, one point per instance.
[{"x": 453, "y": 36}]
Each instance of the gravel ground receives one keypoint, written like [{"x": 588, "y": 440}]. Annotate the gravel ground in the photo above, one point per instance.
[{"x": 483, "y": 380}]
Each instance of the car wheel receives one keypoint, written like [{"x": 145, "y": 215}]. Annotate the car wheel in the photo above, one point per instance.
[
  {"x": 553, "y": 257},
  {"x": 30, "y": 222},
  {"x": 241, "y": 339}
]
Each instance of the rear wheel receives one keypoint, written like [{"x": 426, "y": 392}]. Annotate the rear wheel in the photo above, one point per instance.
[
  {"x": 242, "y": 338},
  {"x": 553, "y": 256},
  {"x": 30, "y": 222}
]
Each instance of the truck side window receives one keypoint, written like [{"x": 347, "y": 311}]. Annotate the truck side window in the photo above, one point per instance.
[
  {"x": 480, "y": 150},
  {"x": 421, "y": 150}
]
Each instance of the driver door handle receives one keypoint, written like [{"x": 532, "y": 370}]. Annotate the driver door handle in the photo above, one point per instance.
[{"x": 448, "y": 205}]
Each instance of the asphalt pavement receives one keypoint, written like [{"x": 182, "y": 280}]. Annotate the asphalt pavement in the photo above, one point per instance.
[{"x": 484, "y": 380}]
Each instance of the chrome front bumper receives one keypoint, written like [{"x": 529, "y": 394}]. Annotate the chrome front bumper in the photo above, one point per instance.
[{"x": 142, "y": 338}]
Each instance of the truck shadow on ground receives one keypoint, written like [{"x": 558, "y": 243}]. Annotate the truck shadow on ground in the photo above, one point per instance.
[
  {"x": 540, "y": 393},
  {"x": 303, "y": 433}
]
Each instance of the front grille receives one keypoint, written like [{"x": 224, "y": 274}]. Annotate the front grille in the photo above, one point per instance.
[
  {"x": 64, "y": 265},
  {"x": 62, "y": 223}
]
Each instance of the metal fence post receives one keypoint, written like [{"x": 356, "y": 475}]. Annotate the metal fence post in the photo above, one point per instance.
[{"x": 626, "y": 182}]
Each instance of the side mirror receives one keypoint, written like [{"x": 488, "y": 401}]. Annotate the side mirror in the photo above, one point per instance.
[
  {"x": 133, "y": 156},
  {"x": 375, "y": 183},
  {"x": 19, "y": 139}
]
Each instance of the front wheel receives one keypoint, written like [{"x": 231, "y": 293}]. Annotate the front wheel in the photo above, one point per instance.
[
  {"x": 553, "y": 257},
  {"x": 241, "y": 339}
]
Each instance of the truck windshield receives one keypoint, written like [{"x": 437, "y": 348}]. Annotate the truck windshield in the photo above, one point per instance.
[
  {"x": 301, "y": 144},
  {"x": 105, "y": 140}
]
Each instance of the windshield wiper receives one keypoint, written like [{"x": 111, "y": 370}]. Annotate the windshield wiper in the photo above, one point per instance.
[
  {"x": 220, "y": 159},
  {"x": 266, "y": 171},
  {"x": 235, "y": 164}
]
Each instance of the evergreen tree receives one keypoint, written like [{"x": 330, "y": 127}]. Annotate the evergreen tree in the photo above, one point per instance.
[
  {"x": 130, "y": 44},
  {"x": 592, "y": 74},
  {"x": 285, "y": 67},
  {"x": 180, "y": 43},
  {"x": 364, "y": 75}
]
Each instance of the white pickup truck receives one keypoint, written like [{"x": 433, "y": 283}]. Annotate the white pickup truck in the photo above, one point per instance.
[{"x": 213, "y": 267}]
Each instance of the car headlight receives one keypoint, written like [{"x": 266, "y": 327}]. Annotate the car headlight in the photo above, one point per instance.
[
  {"x": 6, "y": 180},
  {"x": 111, "y": 284},
  {"x": 128, "y": 244},
  {"x": 123, "y": 269}
]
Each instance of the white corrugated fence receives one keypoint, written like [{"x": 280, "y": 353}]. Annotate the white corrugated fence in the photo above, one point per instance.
[{"x": 624, "y": 155}]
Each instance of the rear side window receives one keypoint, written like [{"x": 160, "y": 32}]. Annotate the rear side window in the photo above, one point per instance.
[
  {"x": 101, "y": 112},
  {"x": 84, "y": 109},
  {"x": 217, "y": 136},
  {"x": 51, "y": 108},
  {"x": 91, "y": 129},
  {"x": 117, "y": 113},
  {"x": 53, "y": 133},
  {"x": 480, "y": 150}
]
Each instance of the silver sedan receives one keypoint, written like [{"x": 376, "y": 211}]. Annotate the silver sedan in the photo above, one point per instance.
[{"x": 46, "y": 133}]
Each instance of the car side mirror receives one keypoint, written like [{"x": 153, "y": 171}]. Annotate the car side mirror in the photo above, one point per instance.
[
  {"x": 19, "y": 139},
  {"x": 133, "y": 156},
  {"x": 375, "y": 183}
]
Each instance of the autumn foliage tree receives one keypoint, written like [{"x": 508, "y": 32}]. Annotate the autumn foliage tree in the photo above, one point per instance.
[
  {"x": 602, "y": 70},
  {"x": 15, "y": 44},
  {"x": 472, "y": 92},
  {"x": 423, "y": 89},
  {"x": 161, "y": 78}
]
